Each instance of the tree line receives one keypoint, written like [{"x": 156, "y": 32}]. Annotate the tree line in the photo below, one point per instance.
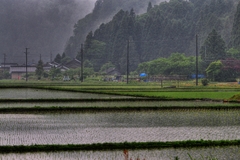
[{"x": 156, "y": 38}]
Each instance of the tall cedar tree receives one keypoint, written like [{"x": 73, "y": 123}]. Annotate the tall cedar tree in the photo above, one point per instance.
[
  {"x": 236, "y": 29},
  {"x": 213, "y": 49},
  {"x": 58, "y": 58},
  {"x": 149, "y": 6},
  {"x": 63, "y": 55},
  {"x": 39, "y": 69}
]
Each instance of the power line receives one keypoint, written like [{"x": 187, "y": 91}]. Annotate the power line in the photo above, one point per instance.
[
  {"x": 196, "y": 60},
  {"x": 81, "y": 63},
  {"x": 4, "y": 58},
  {"x": 127, "y": 59},
  {"x": 4, "y": 55},
  {"x": 26, "y": 64}
]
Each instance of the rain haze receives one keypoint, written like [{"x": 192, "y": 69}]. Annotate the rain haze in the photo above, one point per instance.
[{"x": 43, "y": 26}]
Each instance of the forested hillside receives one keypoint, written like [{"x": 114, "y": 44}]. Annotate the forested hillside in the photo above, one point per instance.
[
  {"x": 103, "y": 12},
  {"x": 166, "y": 28}
]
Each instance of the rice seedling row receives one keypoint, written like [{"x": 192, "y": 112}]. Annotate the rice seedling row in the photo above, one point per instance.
[
  {"x": 118, "y": 103},
  {"x": 229, "y": 152},
  {"x": 88, "y": 128}
]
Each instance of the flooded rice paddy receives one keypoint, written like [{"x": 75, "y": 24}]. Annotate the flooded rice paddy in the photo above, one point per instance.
[
  {"x": 28, "y": 93},
  {"x": 87, "y": 128},
  {"x": 131, "y": 126}
]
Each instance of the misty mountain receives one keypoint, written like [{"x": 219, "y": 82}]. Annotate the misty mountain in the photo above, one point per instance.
[
  {"x": 103, "y": 12},
  {"x": 43, "y": 26}
]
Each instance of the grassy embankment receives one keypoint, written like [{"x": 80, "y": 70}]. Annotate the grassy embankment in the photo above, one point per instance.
[{"x": 118, "y": 146}]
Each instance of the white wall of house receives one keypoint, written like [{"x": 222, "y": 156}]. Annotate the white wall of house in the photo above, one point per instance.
[{"x": 18, "y": 71}]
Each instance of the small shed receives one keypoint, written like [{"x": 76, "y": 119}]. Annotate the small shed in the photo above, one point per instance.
[{"x": 18, "y": 71}]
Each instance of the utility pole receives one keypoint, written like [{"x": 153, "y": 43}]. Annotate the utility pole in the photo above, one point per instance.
[
  {"x": 127, "y": 59},
  {"x": 81, "y": 63},
  {"x": 4, "y": 55},
  {"x": 26, "y": 64},
  {"x": 4, "y": 58},
  {"x": 196, "y": 60}
]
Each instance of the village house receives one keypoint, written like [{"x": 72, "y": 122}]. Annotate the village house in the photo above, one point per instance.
[
  {"x": 73, "y": 64},
  {"x": 6, "y": 66},
  {"x": 17, "y": 72},
  {"x": 112, "y": 74},
  {"x": 49, "y": 65}
]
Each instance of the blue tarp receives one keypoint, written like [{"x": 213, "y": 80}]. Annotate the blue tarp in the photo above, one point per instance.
[
  {"x": 142, "y": 74},
  {"x": 193, "y": 76}
]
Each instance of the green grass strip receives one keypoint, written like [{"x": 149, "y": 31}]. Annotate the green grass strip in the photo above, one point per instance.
[
  {"x": 136, "y": 99},
  {"x": 117, "y": 146},
  {"x": 56, "y": 109}
]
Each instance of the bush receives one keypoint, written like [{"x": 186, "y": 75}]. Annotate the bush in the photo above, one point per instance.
[{"x": 205, "y": 82}]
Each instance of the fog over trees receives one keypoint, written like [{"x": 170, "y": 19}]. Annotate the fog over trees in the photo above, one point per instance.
[
  {"x": 103, "y": 12},
  {"x": 163, "y": 29},
  {"x": 44, "y": 26}
]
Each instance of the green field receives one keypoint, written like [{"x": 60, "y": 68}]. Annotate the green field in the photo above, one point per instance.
[
  {"x": 215, "y": 91},
  {"x": 186, "y": 95},
  {"x": 152, "y": 91}
]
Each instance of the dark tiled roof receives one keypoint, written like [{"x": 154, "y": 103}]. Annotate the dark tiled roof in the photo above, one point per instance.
[{"x": 73, "y": 64}]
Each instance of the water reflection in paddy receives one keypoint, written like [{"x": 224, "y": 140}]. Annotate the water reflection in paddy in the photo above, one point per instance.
[
  {"x": 26, "y": 129},
  {"x": 28, "y": 93},
  {"x": 115, "y": 104}
]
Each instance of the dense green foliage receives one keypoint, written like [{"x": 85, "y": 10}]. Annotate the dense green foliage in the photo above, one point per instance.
[
  {"x": 214, "y": 70},
  {"x": 176, "y": 64},
  {"x": 226, "y": 70},
  {"x": 54, "y": 73},
  {"x": 164, "y": 29},
  {"x": 205, "y": 82}
]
